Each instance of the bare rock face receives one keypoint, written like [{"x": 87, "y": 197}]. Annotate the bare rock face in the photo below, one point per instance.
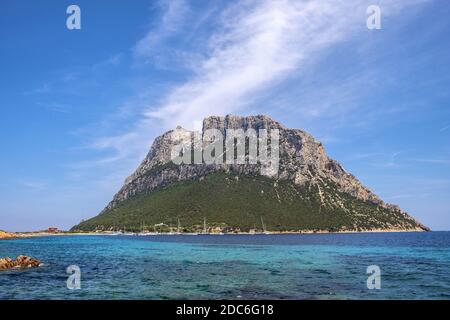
[
  {"x": 302, "y": 160},
  {"x": 20, "y": 262},
  {"x": 6, "y": 263}
]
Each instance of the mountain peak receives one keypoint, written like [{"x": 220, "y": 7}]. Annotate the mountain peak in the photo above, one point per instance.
[{"x": 240, "y": 122}]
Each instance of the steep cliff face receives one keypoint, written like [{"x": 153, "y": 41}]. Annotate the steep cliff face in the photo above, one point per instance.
[{"x": 303, "y": 163}]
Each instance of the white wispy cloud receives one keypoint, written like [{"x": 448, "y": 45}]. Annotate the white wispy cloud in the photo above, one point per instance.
[
  {"x": 257, "y": 46},
  {"x": 113, "y": 60},
  {"x": 45, "y": 88},
  {"x": 34, "y": 185},
  {"x": 364, "y": 156},
  {"x": 390, "y": 162},
  {"x": 408, "y": 196},
  {"x": 55, "y": 107},
  {"x": 254, "y": 46},
  {"x": 400, "y": 196},
  {"x": 171, "y": 22},
  {"x": 432, "y": 161}
]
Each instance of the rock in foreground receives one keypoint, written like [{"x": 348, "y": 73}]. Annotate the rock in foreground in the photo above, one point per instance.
[{"x": 20, "y": 262}]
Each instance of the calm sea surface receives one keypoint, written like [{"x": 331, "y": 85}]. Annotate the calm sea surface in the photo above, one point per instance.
[{"x": 321, "y": 266}]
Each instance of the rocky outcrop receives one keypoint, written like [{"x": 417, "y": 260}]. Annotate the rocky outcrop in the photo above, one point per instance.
[
  {"x": 302, "y": 161},
  {"x": 7, "y": 235},
  {"x": 20, "y": 262}
]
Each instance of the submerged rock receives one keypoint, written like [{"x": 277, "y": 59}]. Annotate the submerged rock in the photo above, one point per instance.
[{"x": 20, "y": 262}]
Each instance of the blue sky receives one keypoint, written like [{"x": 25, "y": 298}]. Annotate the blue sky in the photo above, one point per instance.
[{"x": 80, "y": 108}]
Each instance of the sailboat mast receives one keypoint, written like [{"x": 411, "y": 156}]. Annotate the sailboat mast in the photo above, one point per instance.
[{"x": 204, "y": 225}]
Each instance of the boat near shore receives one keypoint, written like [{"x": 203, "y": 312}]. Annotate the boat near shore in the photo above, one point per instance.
[{"x": 11, "y": 236}]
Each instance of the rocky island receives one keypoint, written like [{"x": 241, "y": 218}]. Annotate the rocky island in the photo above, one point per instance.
[
  {"x": 309, "y": 192},
  {"x": 20, "y": 262}
]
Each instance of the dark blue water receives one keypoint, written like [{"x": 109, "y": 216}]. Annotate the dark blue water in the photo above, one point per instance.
[{"x": 321, "y": 266}]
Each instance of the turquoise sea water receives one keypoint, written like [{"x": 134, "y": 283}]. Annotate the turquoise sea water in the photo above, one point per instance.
[{"x": 317, "y": 266}]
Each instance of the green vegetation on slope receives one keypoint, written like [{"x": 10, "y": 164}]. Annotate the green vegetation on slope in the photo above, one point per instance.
[{"x": 234, "y": 202}]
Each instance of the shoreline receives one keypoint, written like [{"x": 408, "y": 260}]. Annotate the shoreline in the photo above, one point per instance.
[{"x": 21, "y": 235}]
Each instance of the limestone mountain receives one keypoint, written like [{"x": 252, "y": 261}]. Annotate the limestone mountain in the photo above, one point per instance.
[{"x": 309, "y": 191}]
